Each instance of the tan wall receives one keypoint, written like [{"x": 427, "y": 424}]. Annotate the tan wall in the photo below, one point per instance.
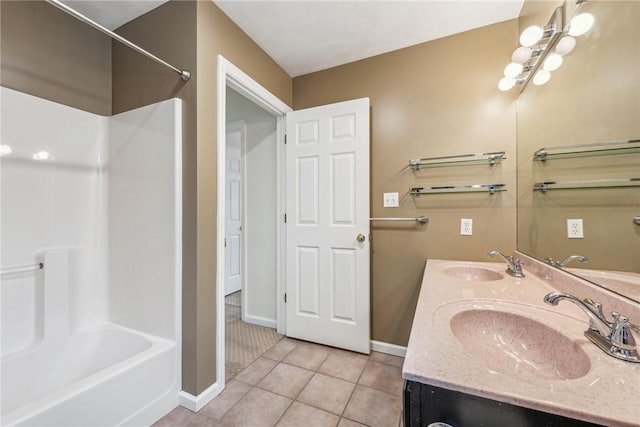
[
  {"x": 170, "y": 33},
  {"x": 191, "y": 34},
  {"x": 434, "y": 99},
  {"x": 593, "y": 97},
  {"x": 47, "y": 53}
]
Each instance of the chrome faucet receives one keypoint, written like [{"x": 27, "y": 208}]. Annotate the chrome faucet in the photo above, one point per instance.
[
  {"x": 616, "y": 338},
  {"x": 567, "y": 260},
  {"x": 514, "y": 264}
]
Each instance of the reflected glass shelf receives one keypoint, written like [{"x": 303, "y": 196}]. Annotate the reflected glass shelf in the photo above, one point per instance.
[
  {"x": 587, "y": 184},
  {"x": 585, "y": 150}
]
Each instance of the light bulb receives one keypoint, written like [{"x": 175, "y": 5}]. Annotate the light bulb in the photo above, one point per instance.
[
  {"x": 41, "y": 155},
  {"x": 506, "y": 83},
  {"x": 512, "y": 70},
  {"x": 541, "y": 77},
  {"x": 5, "y": 149},
  {"x": 531, "y": 36},
  {"x": 521, "y": 55},
  {"x": 580, "y": 24},
  {"x": 565, "y": 45},
  {"x": 552, "y": 63}
]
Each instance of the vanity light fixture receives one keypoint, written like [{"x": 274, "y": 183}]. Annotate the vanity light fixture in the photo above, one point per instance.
[
  {"x": 542, "y": 48},
  {"x": 5, "y": 150}
]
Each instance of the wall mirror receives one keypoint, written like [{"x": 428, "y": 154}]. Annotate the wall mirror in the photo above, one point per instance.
[{"x": 593, "y": 98}]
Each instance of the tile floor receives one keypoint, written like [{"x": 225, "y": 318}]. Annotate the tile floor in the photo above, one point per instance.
[{"x": 300, "y": 384}]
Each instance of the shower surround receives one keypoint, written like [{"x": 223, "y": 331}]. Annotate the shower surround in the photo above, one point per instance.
[{"x": 94, "y": 337}]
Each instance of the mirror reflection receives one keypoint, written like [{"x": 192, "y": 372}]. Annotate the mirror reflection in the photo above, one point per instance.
[{"x": 578, "y": 202}]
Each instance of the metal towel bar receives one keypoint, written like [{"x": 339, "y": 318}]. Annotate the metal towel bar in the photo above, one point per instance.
[{"x": 420, "y": 219}]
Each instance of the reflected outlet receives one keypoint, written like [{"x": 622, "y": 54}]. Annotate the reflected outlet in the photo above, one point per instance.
[{"x": 574, "y": 229}]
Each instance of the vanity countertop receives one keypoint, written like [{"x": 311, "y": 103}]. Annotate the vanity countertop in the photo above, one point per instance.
[{"x": 606, "y": 392}]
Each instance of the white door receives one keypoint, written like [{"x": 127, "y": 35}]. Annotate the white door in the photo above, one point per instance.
[
  {"x": 327, "y": 261},
  {"x": 233, "y": 217}
]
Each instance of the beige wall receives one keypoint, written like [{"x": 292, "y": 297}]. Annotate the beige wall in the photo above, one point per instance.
[
  {"x": 47, "y": 53},
  {"x": 191, "y": 34},
  {"x": 434, "y": 99},
  {"x": 594, "y": 97}
]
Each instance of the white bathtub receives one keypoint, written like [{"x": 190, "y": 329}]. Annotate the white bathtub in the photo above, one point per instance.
[{"x": 104, "y": 376}]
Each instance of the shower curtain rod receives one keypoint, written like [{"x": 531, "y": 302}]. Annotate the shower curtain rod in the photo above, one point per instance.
[{"x": 184, "y": 74}]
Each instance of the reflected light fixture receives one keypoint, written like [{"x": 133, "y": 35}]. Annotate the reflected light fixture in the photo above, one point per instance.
[
  {"x": 531, "y": 36},
  {"x": 580, "y": 24},
  {"x": 541, "y": 77},
  {"x": 542, "y": 49},
  {"x": 553, "y": 62},
  {"x": 5, "y": 149}
]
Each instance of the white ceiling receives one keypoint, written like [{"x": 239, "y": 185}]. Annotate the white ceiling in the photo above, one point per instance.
[{"x": 304, "y": 36}]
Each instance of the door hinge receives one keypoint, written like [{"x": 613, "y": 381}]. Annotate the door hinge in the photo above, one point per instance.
[
  {"x": 285, "y": 138},
  {"x": 225, "y": 242},
  {"x": 285, "y": 218},
  {"x": 285, "y": 298}
]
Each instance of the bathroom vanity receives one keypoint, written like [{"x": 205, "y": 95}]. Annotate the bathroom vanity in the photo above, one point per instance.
[{"x": 485, "y": 350}]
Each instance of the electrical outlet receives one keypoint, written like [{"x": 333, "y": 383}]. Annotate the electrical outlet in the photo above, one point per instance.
[
  {"x": 466, "y": 226},
  {"x": 574, "y": 229},
  {"x": 390, "y": 200}
]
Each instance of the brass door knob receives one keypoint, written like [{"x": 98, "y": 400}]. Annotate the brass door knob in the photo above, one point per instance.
[{"x": 360, "y": 238}]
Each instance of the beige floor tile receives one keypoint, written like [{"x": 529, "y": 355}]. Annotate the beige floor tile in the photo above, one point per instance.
[
  {"x": 382, "y": 377},
  {"x": 387, "y": 359},
  {"x": 280, "y": 350},
  {"x": 308, "y": 356},
  {"x": 345, "y": 365},
  {"x": 348, "y": 423},
  {"x": 373, "y": 407},
  {"x": 328, "y": 393},
  {"x": 300, "y": 414},
  {"x": 202, "y": 421},
  {"x": 258, "y": 408},
  {"x": 286, "y": 380},
  {"x": 255, "y": 372},
  {"x": 180, "y": 416},
  {"x": 233, "y": 391}
]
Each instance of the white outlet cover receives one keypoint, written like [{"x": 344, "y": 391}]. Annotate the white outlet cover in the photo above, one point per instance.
[
  {"x": 391, "y": 200},
  {"x": 466, "y": 226},
  {"x": 575, "y": 229}
]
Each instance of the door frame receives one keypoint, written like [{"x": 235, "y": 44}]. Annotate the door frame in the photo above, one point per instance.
[{"x": 234, "y": 77}]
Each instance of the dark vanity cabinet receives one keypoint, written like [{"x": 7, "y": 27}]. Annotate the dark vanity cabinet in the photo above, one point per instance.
[{"x": 425, "y": 404}]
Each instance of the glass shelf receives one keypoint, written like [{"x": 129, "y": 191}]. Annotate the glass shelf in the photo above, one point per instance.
[
  {"x": 450, "y": 189},
  {"x": 585, "y": 184},
  {"x": 595, "y": 149},
  {"x": 489, "y": 158}
]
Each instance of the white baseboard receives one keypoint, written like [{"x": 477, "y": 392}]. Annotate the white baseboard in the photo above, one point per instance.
[
  {"x": 260, "y": 321},
  {"x": 393, "y": 349},
  {"x": 195, "y": 403}
]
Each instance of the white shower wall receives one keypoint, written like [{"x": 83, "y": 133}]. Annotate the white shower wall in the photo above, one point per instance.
[
  {"x": 51, "y": 204},
  {"x": 108, "y": 196}
]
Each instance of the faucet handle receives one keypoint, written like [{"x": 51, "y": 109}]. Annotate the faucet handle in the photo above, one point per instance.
[
  {"x": 597, "y": 308},
  {"x": 622, "y": 336}
]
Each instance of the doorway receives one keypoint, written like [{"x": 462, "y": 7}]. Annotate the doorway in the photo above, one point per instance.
[
  {"x": 251, "y": 217},
  {"x": 261, "y": 129}
]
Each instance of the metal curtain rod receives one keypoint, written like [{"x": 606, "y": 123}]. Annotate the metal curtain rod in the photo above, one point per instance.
[
  {"x": 22, "y": 268},
  {"x": 184, "y": 74}
]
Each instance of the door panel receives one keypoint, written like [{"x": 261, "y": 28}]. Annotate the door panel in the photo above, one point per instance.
[
  {"x": 327, "y": 273},
  {"x": 233, "y": 217}
]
